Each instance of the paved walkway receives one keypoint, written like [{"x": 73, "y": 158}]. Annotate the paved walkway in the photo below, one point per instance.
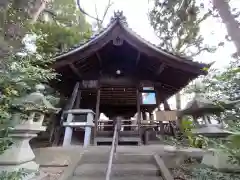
[
  {"x": 55, "y": 156},
  {"x": 62, "y": 156}
]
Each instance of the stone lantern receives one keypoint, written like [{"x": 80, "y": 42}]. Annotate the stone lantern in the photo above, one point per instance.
[
  {"x": 203, "y": 108},
  {"x": 28, "y": 116}
]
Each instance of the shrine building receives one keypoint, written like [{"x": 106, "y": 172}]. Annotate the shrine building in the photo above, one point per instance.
[{"x": 118, "y": 73}]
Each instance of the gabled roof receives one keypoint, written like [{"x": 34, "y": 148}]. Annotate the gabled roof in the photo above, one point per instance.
[{"x": 119, "y": 22}]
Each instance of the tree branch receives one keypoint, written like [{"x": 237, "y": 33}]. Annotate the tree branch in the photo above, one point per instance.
[
  {"x": 49, "y": 11},
  {"x": 99, "y": 24},
  {"x": 85, "y": 13},
  {"x": 199, "y": 51},
  {"x": 106, "y": 9}
]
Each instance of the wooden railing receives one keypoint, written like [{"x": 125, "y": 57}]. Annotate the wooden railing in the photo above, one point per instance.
[
  {"x": 112, "y": 152},
  {"x": 167, "y": 127},
  {"x": 101, "y": 124}
]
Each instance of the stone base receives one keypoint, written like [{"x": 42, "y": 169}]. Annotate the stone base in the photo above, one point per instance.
[{"x": 219, "y": 160}]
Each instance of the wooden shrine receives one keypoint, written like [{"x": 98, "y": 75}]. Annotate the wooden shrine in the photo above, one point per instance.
[{"x": 114, "y": 71}]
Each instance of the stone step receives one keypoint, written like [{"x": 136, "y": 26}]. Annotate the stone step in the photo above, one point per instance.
[
  {"x": 119, "y": 178},
  {"x": 93, "y": 170},
  {"x": 120, "y": 158}
]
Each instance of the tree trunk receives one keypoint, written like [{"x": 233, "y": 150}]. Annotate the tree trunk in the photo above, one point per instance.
[
  {"x": 14, "y": 16},
  {"x": 178, "y": 101},
  {"x": 228, "y": 19},
  {"x": 39, "y": 7},
  {"x": 178, "y": 107}
]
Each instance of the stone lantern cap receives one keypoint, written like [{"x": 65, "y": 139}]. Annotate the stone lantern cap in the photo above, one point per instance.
[
  {"x": 200, "y": 106},
  {"x": 35, "y": 101}
]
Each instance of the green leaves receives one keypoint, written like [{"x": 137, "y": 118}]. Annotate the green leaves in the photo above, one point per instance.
[
  {"x": 16, "y": 175},
  {"x": 53, "y": 38},
  {"x": 177, "y": 24},
  {"x": 235, "y": 141},
  {"x": 61, "y": 32},
  {"x": 196, "y": 141}
]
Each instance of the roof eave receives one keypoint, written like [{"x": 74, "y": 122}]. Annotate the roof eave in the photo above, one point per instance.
[
  {"x": 85, "y": 45},
  {"x": 202, "y": 66}
]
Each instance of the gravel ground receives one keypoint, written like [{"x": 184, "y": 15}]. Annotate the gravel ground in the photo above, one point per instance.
[
  {"x": 53, "y": 172},
  {"x": 196, "y": 171}
]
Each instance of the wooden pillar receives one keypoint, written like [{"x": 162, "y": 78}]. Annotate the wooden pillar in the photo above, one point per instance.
[
  {"x": 166, "y": 106},
  {"x": 158, "y": 97},
  {"x": 138, "y": 112},
  {"x": 97, "y": 113},
  {"x": 151, "y": 116},
  {"x": 144, "y": 116},
  {"x": 172, "y": 123},
  {"x": 159, "y": 123}
]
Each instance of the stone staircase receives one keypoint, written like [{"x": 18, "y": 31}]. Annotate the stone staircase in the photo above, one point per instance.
[{"x": 125, "y": 166}]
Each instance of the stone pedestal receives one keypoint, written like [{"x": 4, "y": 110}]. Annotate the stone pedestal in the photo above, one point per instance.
[
  {"x": 219, "y": 160},
  {"x": 20, "y": 155},
  {"x": 68, "y": 132},
  {"x": 88, "y": 129},
  {"x": 68, "y": 136},
  {"x": 71, "y": 123}
]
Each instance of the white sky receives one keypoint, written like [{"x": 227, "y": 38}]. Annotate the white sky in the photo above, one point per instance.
[{"x": 136, "y": 13}]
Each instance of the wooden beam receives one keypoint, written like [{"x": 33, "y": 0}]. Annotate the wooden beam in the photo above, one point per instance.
[
  {"x": 163, "y": 85},
  {"x": 71, "y": 101},
  {"x": 73, "y": 97},
  {"x": 138, "y": 57},
  {"x": 74, "y": 69},
  {"x": 107, "y": 81},
  {"x": 161, "y": 69},
  {"x": 78, "y": 99}
]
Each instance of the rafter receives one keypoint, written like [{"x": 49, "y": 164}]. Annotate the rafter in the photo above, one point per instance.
[
  {"x": 138, "y": 57},
  {"x": 74, "y": 69},
  {"x": 99, "y": 58},
  {"x": 161, "y": 69}
]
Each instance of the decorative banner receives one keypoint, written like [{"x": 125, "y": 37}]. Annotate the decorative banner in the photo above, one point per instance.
[{"x": 148, "y": 98}]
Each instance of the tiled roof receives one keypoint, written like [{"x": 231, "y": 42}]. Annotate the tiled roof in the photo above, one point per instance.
[{"x": 121, "y": 19}]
